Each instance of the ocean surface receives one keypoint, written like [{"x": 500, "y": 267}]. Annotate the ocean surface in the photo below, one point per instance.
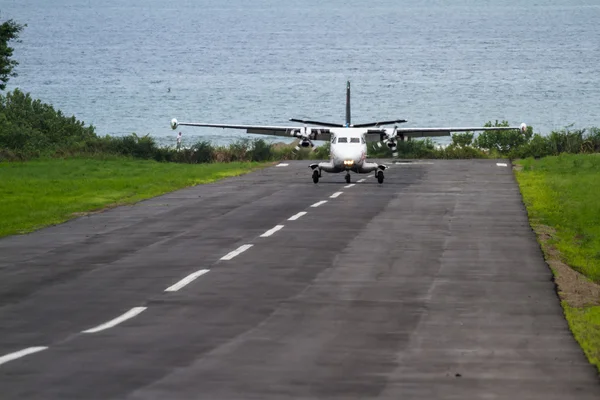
[{"x": 132, "y": 65}]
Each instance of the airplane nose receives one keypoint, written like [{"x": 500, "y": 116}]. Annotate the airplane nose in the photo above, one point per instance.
[{"x": 351, "y": 158}]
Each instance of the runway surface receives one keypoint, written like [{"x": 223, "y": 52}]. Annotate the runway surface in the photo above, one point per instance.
[{"x": 429, "y": 286}]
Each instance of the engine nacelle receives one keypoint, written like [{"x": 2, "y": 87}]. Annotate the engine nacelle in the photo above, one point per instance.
[{"x": 305, "y": 143}]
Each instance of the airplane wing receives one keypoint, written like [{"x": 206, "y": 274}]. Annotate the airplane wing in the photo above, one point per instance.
[
  {"x": 311, "y": 133},
  {"x": 401, "y": 133}
]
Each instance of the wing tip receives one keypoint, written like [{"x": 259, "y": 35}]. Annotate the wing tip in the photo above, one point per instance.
[{"x": 174, "y": 123}]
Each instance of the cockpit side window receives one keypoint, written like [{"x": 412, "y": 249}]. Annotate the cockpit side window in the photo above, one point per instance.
[
  {"x": 354, "y": 140},
  {"x": 362, "y": 140},
  {"x": 342, "y": 140}
]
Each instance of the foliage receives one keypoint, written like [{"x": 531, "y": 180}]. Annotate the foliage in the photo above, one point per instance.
[
  {"x": 9, "y": 30},
  {"x": 462, "y": 139},
  {"x": 502, "y": 141},
  {"x": 30, "y": 127},
  {"x": 321, "y": 152},
  {"x": 428, "y": 149}
]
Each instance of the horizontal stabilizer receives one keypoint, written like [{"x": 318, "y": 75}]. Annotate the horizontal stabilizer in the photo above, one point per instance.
[
  {"x": 328, "y": 124},
  {"x": 379, "y": 123}
]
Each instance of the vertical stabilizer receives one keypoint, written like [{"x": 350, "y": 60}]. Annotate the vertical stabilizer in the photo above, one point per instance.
[{"x": 348, "y": 117}]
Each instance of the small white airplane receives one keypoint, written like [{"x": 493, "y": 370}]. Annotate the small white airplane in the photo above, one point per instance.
[{"x": 348, "y": 150}]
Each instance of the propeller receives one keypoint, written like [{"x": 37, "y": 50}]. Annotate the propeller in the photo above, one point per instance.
[
  {"x": 390, "y": 141},
  {"x": 305, "y": 135}
]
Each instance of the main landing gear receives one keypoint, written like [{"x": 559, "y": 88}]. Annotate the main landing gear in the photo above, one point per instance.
[
  {"x": 316, "y": 176},
  {"x": 380, "y": 176}
]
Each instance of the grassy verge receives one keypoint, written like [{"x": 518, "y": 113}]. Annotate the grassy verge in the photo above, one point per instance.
[
  {"x": 39, "y": 193},
  {"x": 561, "y": 195},
  {"x": 585, "y": 325}
]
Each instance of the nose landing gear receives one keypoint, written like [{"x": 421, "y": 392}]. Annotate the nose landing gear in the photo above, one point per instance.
[
  {"x": 380, "y": 176},
  {"x": 348, "y": 177}
]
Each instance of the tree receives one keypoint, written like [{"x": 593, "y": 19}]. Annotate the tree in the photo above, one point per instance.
[{"x": 9, "y": 30}]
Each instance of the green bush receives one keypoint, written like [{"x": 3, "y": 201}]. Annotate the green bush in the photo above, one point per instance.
[
  {"x": 30, "y": 126},
  {"x": 260, "y": 151},
  {"x": 321, "y": 152},
  {"x": 462, "y": 139},
  {"x": 202, "y": 152},
  {"x": 502, "y": 141}
]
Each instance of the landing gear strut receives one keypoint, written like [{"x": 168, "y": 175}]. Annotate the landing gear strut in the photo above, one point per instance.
[
  {"x": 348, "y": 177},
  {"x": 380, "y": 176},
  {"x": 316, "y": 176}
]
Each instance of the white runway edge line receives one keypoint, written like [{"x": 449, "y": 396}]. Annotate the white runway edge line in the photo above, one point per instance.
[
  {"x": 336, "y": 194},
  {"x": 236, "y": 252},
  {"x": 272, "y": 231},
  {"x": 318, "y": 203},
  {"x": 350, "y": 185},
  {"x": 295, "y": 217},
  {"x": 501, "y": 164},
  {"x": 128, "y": 315},
  {"x": 21, "y": 353},
  {"x": 185, "y": 281}
]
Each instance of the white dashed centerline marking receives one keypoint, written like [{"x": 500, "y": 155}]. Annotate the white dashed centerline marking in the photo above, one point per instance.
[
  {"x": 336, "y": 194},
  {"x": 188, "y": 279},
  {"x": 295, "y": 217},
  {"x": 350, "y": 185},
  {"x": 282, "y": 165},
  {"x": 271, "y": 231},
  {"x": 500, "y": 164},
  {"x": 234, "y": 253},
  {"x": 21, "y": 353},
  {"x": 370, "y": 176},
  {"x": 360, "y": 181},
  {"x": 317, "y": 204},
  {"x": 128, "y": 315}
]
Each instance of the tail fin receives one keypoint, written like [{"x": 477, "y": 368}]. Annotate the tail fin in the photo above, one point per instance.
[{"x": 348, "y": 117}]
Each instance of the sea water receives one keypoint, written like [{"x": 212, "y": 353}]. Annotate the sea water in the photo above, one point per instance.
[{"x": 131, "y": 65}]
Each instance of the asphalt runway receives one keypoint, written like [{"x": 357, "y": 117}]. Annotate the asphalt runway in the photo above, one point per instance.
[{"x": 430, "y": 286}]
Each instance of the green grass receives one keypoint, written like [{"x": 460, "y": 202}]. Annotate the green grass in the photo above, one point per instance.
[
  {"x": 35, "y": 194},
  {"x": 563, "y": 193},
  {"x": 585, "y": 325}
]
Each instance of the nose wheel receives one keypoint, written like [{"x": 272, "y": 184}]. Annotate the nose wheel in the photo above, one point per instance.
[
  {"x": 380, "y": 176},
  {"x": 348, "y": 178}
]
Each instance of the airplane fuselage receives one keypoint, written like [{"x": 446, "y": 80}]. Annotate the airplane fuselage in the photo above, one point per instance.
[{"x": 348, "y": 149}]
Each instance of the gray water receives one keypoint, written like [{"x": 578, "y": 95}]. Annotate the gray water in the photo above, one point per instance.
[{"x": 132, "y": 65}]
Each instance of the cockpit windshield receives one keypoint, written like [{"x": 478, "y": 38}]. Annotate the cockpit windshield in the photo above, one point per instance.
[
  {"x": 342, "y": 140},
  {"x": 354, "y": 140}
]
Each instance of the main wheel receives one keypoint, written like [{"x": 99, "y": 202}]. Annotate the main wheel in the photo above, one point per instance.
[
  {"x": 348, "y": 178},
  {"x": 316, "y": 176},
  {"x": 380, "y": 177}
]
